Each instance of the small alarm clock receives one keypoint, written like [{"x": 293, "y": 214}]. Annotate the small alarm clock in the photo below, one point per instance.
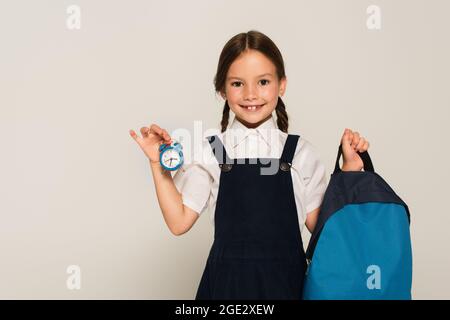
[{"x": 171, "y": 156}]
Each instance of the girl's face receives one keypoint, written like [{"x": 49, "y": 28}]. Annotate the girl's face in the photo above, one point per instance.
[{"x": 252, "y": 88}]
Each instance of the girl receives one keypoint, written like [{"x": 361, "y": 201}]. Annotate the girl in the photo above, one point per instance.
[{"x": 257, "y": 251}]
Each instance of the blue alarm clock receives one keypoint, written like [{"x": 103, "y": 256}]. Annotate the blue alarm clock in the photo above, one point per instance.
[{"x": 171, "y": 156}]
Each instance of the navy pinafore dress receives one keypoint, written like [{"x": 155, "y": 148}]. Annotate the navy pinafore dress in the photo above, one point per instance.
[{"x": 257, "y": 251}]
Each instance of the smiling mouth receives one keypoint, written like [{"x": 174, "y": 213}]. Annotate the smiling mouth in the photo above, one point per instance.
[{"x": 253, "y": 108}]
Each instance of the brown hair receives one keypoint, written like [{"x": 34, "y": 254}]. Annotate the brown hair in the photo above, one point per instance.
[{"x": 233, "y": 48}]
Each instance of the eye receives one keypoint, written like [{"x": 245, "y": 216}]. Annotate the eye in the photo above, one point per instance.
[{"x": 264, "y": 82}]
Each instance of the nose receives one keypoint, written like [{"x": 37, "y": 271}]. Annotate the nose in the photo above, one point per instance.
[{"x": 250, "y": 93}]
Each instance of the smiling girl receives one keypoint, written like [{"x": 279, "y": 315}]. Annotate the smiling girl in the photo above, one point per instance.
[{"x": 257, "y": 251}]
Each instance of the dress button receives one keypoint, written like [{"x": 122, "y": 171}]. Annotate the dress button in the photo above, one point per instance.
[
  {"x": 285, "y": 166},
  {"x": 225, "y": 167}
]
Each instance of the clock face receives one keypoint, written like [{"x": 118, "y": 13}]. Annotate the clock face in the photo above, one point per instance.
[{"x": 171, "y": 158}]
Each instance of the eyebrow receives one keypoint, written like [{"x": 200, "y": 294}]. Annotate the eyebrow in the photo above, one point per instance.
[{"x": 265, "y": 74}]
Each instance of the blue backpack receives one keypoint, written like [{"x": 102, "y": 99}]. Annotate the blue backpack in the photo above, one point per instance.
[{"x": 361, "y": 247}]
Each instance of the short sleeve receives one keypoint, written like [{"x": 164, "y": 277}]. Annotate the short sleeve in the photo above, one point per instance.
[
  {"x": 194, "y": 184},
  {"x": 314, "y": 177}
]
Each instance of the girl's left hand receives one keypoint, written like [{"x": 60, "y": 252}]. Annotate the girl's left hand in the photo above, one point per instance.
[{"x": 352, "y": 143}]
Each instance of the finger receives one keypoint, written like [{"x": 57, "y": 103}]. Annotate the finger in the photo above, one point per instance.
[
  {"x": 145, "y": 131},
  {"x": 350, "y": 134},
  {"x": 348, "y": 131},
  {"x": 156, "y": 129},
  {"x": 349, "y": 146},
  {"x": 166, "y": 135},
  {"x": 346, "y": 138},
  {"x": 355, "y": 139},
  {"x": 161, "y": 132},
  {"x": 366, "y": 146},
  {"x": 134, "y": 135},
  {"x": 360, "y": 145},
  {"x": 346, "y": 148}
]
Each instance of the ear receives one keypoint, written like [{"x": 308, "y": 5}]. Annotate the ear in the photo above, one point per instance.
[
  {"x": 223, "y": 95},
  {"x": 283, "y": 83}
]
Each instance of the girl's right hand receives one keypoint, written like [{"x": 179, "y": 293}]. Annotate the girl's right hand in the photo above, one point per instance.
[{"x": 151, "y": 140}]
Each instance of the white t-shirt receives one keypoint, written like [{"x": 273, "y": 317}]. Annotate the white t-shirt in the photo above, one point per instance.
[{"x": 198, "y": 180}]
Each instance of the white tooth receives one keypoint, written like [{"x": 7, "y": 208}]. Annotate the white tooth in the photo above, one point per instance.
[{"x": 252, "y": 107}]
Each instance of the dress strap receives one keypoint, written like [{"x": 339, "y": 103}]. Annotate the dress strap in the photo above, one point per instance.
[
  {"x": 289, "y": 148},
  {"x": 219, "y": 150}
]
